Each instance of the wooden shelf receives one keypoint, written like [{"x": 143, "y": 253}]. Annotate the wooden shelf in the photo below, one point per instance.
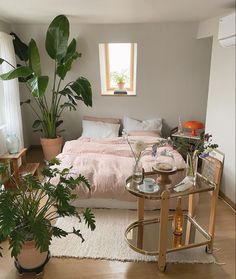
[
  {"x": 8, "y": 156},
  {"x": 20, "y": 167},
  {"x": 29, "y": 168}
]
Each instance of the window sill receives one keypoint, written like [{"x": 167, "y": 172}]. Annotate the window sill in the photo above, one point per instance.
[{"x": 111, "y": 93}]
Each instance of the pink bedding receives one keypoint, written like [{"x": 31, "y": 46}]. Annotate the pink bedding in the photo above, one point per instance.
[{"x": 107, "y": 164}]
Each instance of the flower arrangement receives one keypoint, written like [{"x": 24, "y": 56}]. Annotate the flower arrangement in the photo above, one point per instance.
[{"x": 137, "y": 150}]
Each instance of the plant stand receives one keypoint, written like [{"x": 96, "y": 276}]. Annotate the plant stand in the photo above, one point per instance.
[{"x": 36, "y": 270}]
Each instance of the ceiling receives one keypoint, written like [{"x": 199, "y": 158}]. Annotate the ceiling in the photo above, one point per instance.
[{"x": 112, "y": 11}]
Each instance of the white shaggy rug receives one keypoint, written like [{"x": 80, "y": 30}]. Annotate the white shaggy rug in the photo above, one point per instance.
[{"x": 108, "y": 242}]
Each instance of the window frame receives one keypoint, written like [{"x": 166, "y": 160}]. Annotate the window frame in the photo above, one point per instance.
[{"x": 107, "y": 68}]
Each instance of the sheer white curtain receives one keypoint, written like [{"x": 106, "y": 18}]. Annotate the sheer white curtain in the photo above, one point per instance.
[{"x": 10, "y": 115}]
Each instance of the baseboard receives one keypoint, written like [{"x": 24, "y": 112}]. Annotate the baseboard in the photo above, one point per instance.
[{"x": 231, "y": 203}]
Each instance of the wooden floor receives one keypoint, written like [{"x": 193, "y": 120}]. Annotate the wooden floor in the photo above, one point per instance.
[{"x": 75, "y": 268}]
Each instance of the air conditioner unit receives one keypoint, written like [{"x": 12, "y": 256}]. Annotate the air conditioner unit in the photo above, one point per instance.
[{"x": 227, "y": 32}]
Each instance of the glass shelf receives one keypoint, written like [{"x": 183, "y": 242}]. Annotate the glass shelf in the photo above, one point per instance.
[
  {"x": 201, "y": 185},
  {"x": 143, "y": 236}
]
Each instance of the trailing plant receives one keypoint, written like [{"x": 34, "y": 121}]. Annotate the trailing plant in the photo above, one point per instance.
[
  {"x": 50, "y": 103},
  {"x": 27, "y": 212}
]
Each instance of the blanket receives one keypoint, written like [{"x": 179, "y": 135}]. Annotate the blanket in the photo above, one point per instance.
[{"x": 108, "y": 163}]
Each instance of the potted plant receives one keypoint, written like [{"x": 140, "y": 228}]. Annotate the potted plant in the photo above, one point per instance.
[
  {"x": 120, "y": 79},
  {"x": 28, "y": 214},
  {"x": 49, "y": 104}
]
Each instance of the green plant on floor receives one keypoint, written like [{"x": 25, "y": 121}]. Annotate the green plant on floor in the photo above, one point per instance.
[
  {"x": 28, "y": 212},
  {"x": 50, "y": 103}
]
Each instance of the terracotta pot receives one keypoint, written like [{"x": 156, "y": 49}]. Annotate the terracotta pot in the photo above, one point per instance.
[
  {"x": 121, "y": 85},
  {"x": 30, "y": 257},
  {"x": 51, "y": 147}
]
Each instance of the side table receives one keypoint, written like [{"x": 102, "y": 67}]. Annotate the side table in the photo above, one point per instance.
[
  {"x": 186, "y": 137},
  {"x": 18, "y": 169}
]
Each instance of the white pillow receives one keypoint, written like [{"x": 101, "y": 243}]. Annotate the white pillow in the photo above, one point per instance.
[
  {"x": 131, "y": 125},
  {"x": 99, "y": 130}
]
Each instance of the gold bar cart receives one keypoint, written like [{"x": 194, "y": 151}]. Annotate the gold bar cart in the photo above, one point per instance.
[{"x": 155, "y": 236}]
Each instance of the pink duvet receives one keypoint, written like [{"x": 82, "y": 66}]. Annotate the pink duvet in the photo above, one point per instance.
[{"x": 107, "y": 164}]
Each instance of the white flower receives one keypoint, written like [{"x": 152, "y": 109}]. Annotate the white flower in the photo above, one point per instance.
[{"x": 139, "y": 147}]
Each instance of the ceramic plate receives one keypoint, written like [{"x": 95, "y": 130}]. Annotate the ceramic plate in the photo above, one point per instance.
[
  {"x": 166, "y": 171},
  {"x": 141, "y": 188}
]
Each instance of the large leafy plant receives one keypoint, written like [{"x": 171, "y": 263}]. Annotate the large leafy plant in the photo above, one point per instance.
[
  {"x": 28, "y": 212},
  {"x": 50, "y": 102}
]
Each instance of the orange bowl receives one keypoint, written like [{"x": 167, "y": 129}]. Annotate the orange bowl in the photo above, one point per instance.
[{"x": 194, "y": 125}]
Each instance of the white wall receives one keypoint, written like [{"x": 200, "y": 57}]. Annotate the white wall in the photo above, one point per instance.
[
  {"x": 220, "y": 119},
  {"x": 172, "y": 72},
  {"x": 4, "y": 27}
]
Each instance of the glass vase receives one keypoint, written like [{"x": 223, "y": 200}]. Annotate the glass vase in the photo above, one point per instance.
[
  {"x": 138, "y": 172},
  {"x": 12, "y": 143},
  {"x": 192, "y": 163}
]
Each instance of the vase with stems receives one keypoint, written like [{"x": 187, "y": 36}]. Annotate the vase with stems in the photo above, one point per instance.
[
  {"x": 137, "y": 152},
  {"x": 138, "y": 172},
  {"x": 192, "y": 163}
]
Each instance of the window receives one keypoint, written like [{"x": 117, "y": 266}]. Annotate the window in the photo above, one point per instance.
[{"x": 118, "y": 68}]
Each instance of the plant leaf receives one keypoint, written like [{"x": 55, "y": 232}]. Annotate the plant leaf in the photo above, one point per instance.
[
  {"x": 57, "y": 37},
  {"x": 23, "y": 71},
  {"x": 25, "y": 102},
  {"x": 40, "y": 230},
  {"x": 21, "y": 49},
  {"x": 36, "y": 124},
  {"x": 57, "y": 232},
  {"x": 1, "y": 61},
  {"x": 7, "y": 217},
  {"x": 58, "y": 123},
  {"x": 69, "y": 106},
  {"x": 66, "y": 62},
  {"x": 78, "y": 233},
  {"x": 37, "y": 130},
  {"x": 38, "y": 85},
  {"x": 16, "y": 241},
  {"x": 89, "y": 219},
  {"x": 34, "y": 58},
  {"x": 82, "y": 87}
]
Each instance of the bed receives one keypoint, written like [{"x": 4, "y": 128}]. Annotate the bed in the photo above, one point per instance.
[{"x": 107, "y": 163}]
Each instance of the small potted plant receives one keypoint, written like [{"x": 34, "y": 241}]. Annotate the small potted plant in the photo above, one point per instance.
[
  {"x": 49, "y": 103},
  {"x": 120, "y": 79},
  {"x": 28, "y": 214}
]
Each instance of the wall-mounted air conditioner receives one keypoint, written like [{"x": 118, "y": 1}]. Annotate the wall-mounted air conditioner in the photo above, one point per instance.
[{"x": 227, "y": 32}]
